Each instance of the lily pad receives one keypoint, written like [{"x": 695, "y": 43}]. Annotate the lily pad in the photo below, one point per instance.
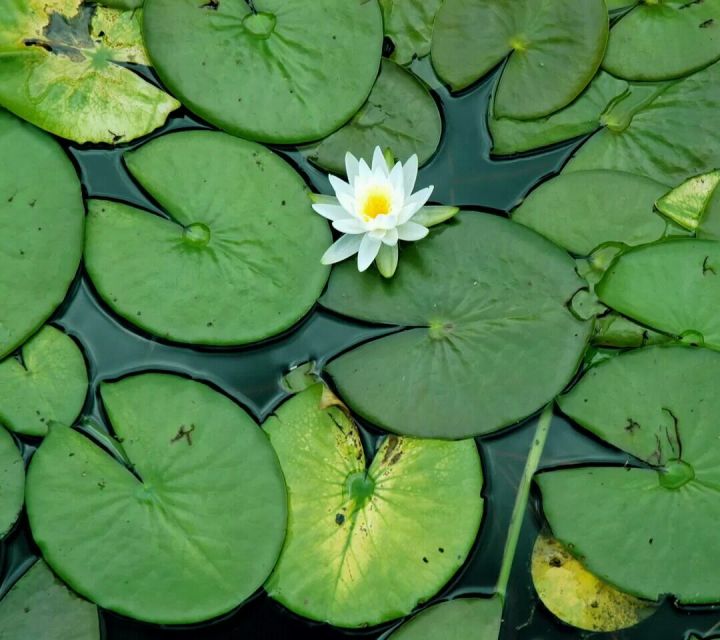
[
  {"x": 614, "y": 330},
  {"x": 580, "y": 211},
  {"x": 40, "y": 606},
  {"x": 409, "y": 24},
  {"x": 664, "y": 131},
  {"x": 459, "y": 619},
  {"x": 484, "y": 301},
  {"x": 581, "y": 116},
  {"x": 238, "y": 257},
  {"x": 122, "y": 4},
  {"x": 400, "y": 115},
  {"x": 58, "y": 77},
  {"x": 554, "y": 48},
  {"x": 579, "y": 598},
  {"x": 120, "y": 31},
  {"x": 710, "y": 222},
  {"x": 283, "y": 71},
  {"x": 648, "y": 530},
  {"x": 172, "y": 539},
  {"x": 42, "y": 218},
  {"x": 664, "y": 40},
  {"x": 672, "y": 286},
  {"x": 347, "y": 558},
  {"x": 47, "y": 385},
  {"x": 12, "y": 482},
  {"x": 687, "y": 203}
]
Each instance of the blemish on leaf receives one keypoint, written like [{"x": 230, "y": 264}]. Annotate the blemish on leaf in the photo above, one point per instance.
[{"x": 185, "y": 433}]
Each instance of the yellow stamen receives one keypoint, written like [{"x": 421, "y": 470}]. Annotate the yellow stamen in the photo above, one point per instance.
[{"x": 377, "y": 203}]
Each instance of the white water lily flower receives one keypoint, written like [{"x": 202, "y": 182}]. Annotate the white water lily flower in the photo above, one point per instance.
[{"x": 374, "y": 209}]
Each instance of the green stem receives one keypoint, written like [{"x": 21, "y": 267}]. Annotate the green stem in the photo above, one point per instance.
[{"x": 521, "y": 500}]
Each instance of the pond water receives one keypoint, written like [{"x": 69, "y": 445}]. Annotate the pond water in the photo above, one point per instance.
[{"x": 463, "y": 174}]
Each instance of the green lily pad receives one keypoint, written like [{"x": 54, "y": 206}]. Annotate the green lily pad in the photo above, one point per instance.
[
  {"x": 283, "y": 71},
  {"x": 672, "y": 286},
  {"x": 400, "y": 115},
  {"x": 40, "y": 606},
  {"x": 581, "y": 116},
  {"x": 664, "y": 40},
  {"x": 367, "y": 544},
  {"x": 409, "y": 24},
  {"x": 477, "y": 618},
  {"x": 648, "y": 531},
  {"x": 579, "y": 598},
  {"x": 687, "y": 203},
  {"x": 554, "y": 46},
  {"x": 238, "y": 259},
  {"x": 12, "y": 482},
  {"x": 614, "y": 330},
  {"x": 122, "y": 4},
  {"x": 42, "y": 219},
  {"x": 614, "y": 5},
  {"x": 173, "y": 539},
  {"x": 58, "y": 77},
  {"x": 664, "y": 131},
  {"x": 709, "y": 226},
  {"x": 49, "y": 385},
  {"x": 484, "y": 301},
  {"x": 580, "y": 211}
]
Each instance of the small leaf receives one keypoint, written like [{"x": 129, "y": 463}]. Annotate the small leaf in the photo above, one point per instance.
[{"x": 685, "y": 205}]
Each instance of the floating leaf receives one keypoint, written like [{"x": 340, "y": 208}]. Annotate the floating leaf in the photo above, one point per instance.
[
  {"x": 614, "y": 5},
  {"x": 581, "y": 116},
  {"x": 285, "y": 71},
  {"x": 580, "y": 211},
  {"x": 686, "y": 204},
  {"x": 120, "y": 31},
  {"x": 664, "y": 40},
  {"x": 124, "y": 4},
  {"x": 672, "y": 286},
  {"x": 366, "y": 545},
  {"x": 400, "y": 115},
  {"x": 48, "y": 385},
  {"x": 237, "y": 261},
  {"x": 576, "y": 596},
  {"x": 57, "y": 77},
  {"x": 710, "y": 223},
  {"x": 614, "y": 330},
  {"x": 409, "y": 24},
  {"x": 477, "y": 618},
  {"x": 42, "y": 218},
  {"x": 485, "y": 303},
  {"x": 554, "y": 48},
  {"x": 12, "y": 482},
  {"x": 647, "y": 530},
  {"x": 666, "y": 132},
  {"x": 40, "y": 606},
  {"x": 173, "y": 539}
]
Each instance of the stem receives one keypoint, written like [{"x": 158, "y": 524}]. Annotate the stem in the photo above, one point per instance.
[{"x": 521, "y": 500}]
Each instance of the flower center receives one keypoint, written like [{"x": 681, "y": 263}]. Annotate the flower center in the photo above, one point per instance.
[{"x": 377, "y": 203}]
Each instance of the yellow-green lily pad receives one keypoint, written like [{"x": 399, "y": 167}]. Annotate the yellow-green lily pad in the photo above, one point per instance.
[
  {"x": 60, "y": 78},
  {"x": 47, "y": 385},
  {"x": 367, "y": 544},
  {"x": 40, "y": 606}
]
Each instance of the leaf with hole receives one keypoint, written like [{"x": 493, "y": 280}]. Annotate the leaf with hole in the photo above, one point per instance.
[
  {"x": 551, "y": 48},
  {"x": 664, "y": 40},
  {"x": 235, "y": 260},
  {"x": 346, "y": 559},
  {"x": 483, "y": 306},
  {"x": 282, "y": 71},
  {"x": 47, "y": 386},
  {"x": 409, "y": 24},
  {"x": 40, "y": 606},
  {"x": 647, "y": 527},
  {"x": 171, "y": 539},
  {"x": 42, "y": 220},
  {"x": 672, "y": 286},
  {"x": 62, "y": 79},
  {"x": 583, "y": 210},
  {"x": 400, "y": 115}
]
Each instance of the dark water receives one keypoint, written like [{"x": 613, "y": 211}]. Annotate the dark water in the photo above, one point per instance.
[{"x": 463, "y": 174}]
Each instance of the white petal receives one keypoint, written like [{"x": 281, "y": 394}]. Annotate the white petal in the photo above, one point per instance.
[
  {"x": 342, "y": 249},
  {"x": 411, "y": 231},
  {"x": 364, "y": 172},
  {"x": 377, "y": 233},
  {"x": 397, "y": 185},
  {"x": 414, "y": 203},
  {"x": 388, "y": 221},
  {"x": 369, "y": 248},
  {"x": 344, "y": 193},
  {"x": 379, "y": 165},
  {"x": 331, "y": 211},
  {"x": 352, "y": 167},
  {"x": 350, "y": 225},
  {"x": 391, "y": 237},
  {"x": 410, "y": 170}
]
